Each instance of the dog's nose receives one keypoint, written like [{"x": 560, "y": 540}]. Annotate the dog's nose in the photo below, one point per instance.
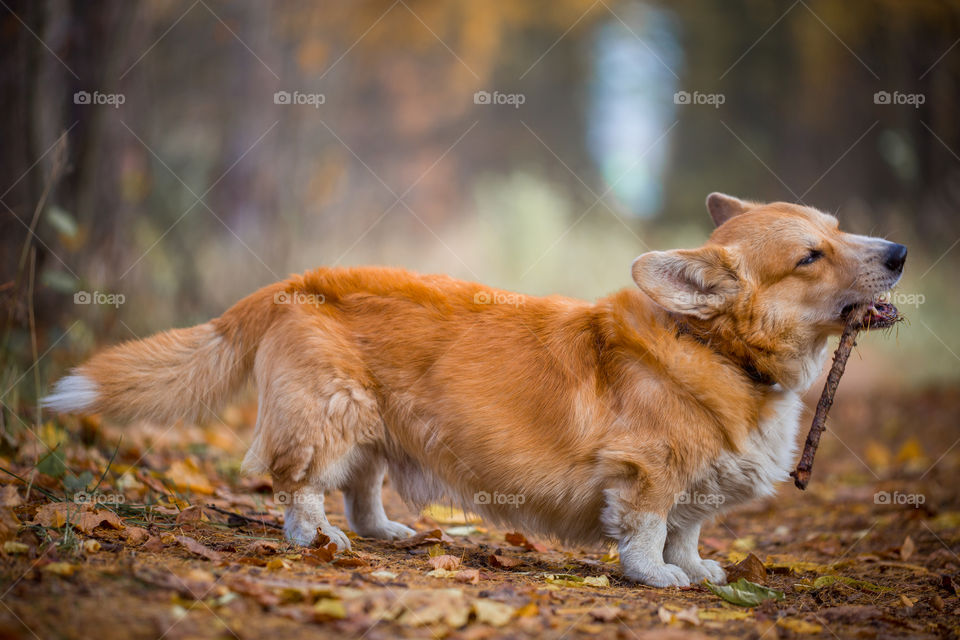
[{"x": 896, "y": 256}]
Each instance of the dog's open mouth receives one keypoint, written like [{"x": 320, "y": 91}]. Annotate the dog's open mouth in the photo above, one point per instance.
[{"x": 873, "y": 315}]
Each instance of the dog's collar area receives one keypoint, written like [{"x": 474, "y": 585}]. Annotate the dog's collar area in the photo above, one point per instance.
[{"x": 749, "y": 368}]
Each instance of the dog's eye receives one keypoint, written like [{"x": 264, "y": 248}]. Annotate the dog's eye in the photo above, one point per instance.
[{"x": 811, "y": 257}]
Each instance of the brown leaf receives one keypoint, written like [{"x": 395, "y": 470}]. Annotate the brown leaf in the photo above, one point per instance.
[
  {"x": 136, "y": 535},
  {"x": 504, "y": 562},
  {"x": 518, "y": 539},
  {"x": 87, "y": 521},
  {"x": 153, "y": 545},
  {"x": 9, "y": 496},
  {"x": 445, "y": 561},
  {"x": 605, "y": 614},
  {"x": 190, "y": 514},
  {"x": 426, "y": 537},
  {"x": 193, "y": 546},
  {"x": 263, "y": 547},
  {"x": 750, "y": 568},
  {"x": 907, "y": 548},
  {"x": 470, "y": 576}
]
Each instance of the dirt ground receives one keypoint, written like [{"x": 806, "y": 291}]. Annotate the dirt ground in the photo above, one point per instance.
[{"x": 164, "y": 539}]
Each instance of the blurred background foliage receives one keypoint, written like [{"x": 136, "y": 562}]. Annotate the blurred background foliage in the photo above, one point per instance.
[{"x": 200, "y": 188}]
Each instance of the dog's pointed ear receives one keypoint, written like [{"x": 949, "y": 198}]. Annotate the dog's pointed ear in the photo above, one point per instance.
[
  {"x": 696, "y": 282},
  {"x": 723, "y": 207}
]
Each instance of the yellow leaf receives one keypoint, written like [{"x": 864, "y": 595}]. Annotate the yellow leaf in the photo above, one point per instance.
[
  {"x": 91, "y": 546},
  {"x": 13, "y": 547},
  {"x": 186, "y": 476},
  {"x": 276, "y": 564},
  {"x": 911, "y": 452},
  {"x": 597, "y": 581},
  {"x": 327, "y": 608},
  {"x": 63, "y": 569},
  {"x": 878, "y": 456},
  {"x": 443, "y": 514}
]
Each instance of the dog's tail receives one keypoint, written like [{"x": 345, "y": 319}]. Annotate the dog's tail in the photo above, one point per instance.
[{"x": 173, "y": 374}]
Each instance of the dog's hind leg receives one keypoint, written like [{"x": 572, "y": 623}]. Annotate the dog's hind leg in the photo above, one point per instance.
[
  {"x": 316, "y": 413},
  {"x": 364, "y": 500}
]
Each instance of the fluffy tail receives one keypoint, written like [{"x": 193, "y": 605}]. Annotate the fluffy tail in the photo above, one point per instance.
[{"x": 172, "y": 374}]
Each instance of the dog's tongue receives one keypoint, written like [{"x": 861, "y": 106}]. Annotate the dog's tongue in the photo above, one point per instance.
[{"x": 876, "y": 315}]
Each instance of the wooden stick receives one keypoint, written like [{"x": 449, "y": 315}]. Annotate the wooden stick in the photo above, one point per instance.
[{"x": 801, "y": 475}]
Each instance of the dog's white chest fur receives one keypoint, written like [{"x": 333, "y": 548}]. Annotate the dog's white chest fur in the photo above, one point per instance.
[{"x": 734, "y": 478}]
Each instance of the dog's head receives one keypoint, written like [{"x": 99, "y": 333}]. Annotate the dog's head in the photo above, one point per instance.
[{"x": 774, "y": 279}]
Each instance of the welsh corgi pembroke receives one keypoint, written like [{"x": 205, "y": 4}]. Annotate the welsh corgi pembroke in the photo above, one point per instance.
[{"x": 632, "y": 419}]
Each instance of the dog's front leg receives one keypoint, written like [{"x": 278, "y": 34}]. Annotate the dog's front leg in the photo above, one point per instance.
[
  {"x": 681, "y": 549},
  {"x": 640, "y": 529}
]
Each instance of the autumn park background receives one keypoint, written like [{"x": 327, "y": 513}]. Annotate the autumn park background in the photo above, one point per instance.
[{"x": 161, "y": 159}]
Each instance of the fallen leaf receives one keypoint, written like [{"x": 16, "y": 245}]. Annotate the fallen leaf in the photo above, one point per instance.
[
  {"x": 136, "y": 535},
  {"x": 750, "y": 568},
  {"x": 193, "y": 546},
  {"x": 383, "y": 575},
  {"x": 492, "y": 612},
  {"x": 91, "y": 546},
  {"x": 826, "y": 581},
  {"x": 426, "y": 537},
  {"x": 56, "y": 515},
  {"x": 9, "y": 524},
  {"x": 907, "y": 602},
  {"x": 191, "y": 514},
  {"x": 744, "y": 593},
  {"x": 445, "y": 561},
  {"x": 518, "y": 539},
  {"x": 470, "y": 576},
  {"x": 604, "y": 614},
  {"x": 187, "y": 476},
  {"x": 723, "y": 614},
  {"x": 443, "y": 514},
  {"x": 277, "y": 564},
  {"x": 13, "y": 547},
  {"x": 907, "y": 548},
  {"x": 504, "y": 562},
  {"x": 264, "y": 547},
  {"x": 328, "y": 609},
  {"x": 62, "y": 569}
]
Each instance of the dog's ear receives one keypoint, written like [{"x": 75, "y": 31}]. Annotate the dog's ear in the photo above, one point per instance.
[
  {"x": 723, "y": 207},
  {"x": 696, "y": 282}
]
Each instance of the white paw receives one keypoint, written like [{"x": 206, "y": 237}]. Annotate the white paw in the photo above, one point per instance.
[
  {"x": 660, "y": 575},
  {"x": 337, "y": 536},
  {"x": 299, "y": 531},
  {"x": 707, "y": 569},
  {"x": 387, "y": 530}
]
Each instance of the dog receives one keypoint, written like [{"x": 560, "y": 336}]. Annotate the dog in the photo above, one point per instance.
[{"x": 633, "y": 419}]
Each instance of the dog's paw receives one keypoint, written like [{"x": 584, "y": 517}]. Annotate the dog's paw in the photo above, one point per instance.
[
  {"x": 707, "y": 569},
  {"x": 661, "y": 575},
  {"x": 388, "y": 530},
  {"x": 337, "y": 536}
]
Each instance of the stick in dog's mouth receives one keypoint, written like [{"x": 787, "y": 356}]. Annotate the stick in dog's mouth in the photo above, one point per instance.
[{"x": 862, "y": 317}]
